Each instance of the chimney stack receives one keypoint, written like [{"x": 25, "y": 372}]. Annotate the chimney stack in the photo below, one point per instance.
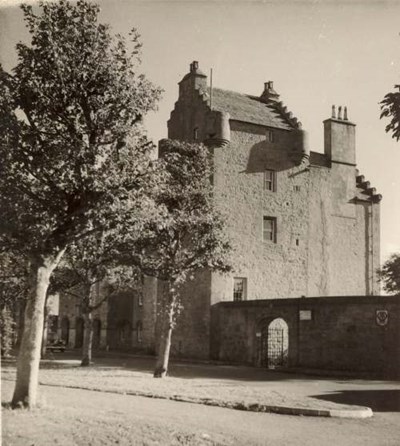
[
  {"x": 339, "y": 136},
  {"x": 194, "y": 80},
  {"x": 269, "y": 94}
]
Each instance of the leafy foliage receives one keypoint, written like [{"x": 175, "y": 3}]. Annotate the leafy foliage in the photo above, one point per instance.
[
  {"x": 74, "y": 155},
  {"x": 14, "y": 282},
  {"x": 7, "y": 331},
  {"x": 190, "y": 235},
  {"x": 390, "y": 106},
  {"x": 92, "y": 263},
  {"x": 389, "y": 274}
]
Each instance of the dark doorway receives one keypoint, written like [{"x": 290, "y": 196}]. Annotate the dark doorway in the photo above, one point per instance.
[
  {"x": 79, "y": 329},
  {"x": 65, "y": 330},
  {"x": 124, "y": 334},
  {"x": 96, "y": 333}
]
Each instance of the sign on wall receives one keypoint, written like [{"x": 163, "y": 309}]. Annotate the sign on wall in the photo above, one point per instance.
[
  {"x": 305, "y": 315},
  {"x": 382, "y": 317}
]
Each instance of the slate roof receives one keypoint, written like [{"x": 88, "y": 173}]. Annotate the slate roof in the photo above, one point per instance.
[{"x": 247, "y": 108}]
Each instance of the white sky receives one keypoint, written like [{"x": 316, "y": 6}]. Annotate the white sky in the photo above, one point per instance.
[{"x": 317, "y": 54}]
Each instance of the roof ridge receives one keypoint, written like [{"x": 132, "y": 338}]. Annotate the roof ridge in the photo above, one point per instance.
[{"x": 277, "y": 107}]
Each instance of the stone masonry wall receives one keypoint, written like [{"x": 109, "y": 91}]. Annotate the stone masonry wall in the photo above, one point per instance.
[
  {"x": 273, "y": 269},
  {"x": 342, "y": 334}
]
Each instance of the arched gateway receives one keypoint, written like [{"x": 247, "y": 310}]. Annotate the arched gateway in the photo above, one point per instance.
[{"x": 275, "y": 344}]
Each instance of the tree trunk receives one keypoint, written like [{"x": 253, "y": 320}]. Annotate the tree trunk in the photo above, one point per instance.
[
  {"x": 43, "y": 350},
  {"x": 163, "y": 353},
  {"x": 20, "y": 319},
  {"x": 166, "y": 336},
  {"x": 26, "y": 387},
  {"x": 87, "y": 339}
]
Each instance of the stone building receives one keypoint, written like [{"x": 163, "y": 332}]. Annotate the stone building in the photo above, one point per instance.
[{"x": 304, "y": 224}]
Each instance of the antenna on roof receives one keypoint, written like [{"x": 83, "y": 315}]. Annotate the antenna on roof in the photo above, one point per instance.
[{"x": 211, "y": 73}]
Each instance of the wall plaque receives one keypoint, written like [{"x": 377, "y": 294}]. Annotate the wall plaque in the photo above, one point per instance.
[
  {"x": 382, "y": 317},
  {"x": 305, "y": 315}
]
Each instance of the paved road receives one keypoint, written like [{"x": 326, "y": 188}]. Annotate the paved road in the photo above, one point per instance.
[{"x": 225, "y": 426}]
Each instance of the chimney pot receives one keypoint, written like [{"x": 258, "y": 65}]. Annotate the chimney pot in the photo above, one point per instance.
[
  {"x": 268, "y": 85},
  {"x": 340, "y": 112},
  {"x": 333, "y": 111},
  {"x": 345, "y": 114},
  {"x": 194, "y": 66}
]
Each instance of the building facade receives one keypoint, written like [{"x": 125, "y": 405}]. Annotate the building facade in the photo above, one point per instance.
[{"x": 303, "y": 223}]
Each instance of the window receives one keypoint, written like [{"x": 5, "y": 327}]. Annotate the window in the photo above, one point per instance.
[
  {"x": 196, "y": 134},
  {"x": 140, "y": 299},
  {"x": 239, "y": 289},
  {"x": 270, "y": 180},
  {"x": 270, "y": 136},
  {"x": 296, "y": 188},
  {"x": 269, "y": 229}
]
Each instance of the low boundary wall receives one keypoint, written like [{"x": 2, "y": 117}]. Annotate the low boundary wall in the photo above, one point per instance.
[{"x": 350, "y": 333}]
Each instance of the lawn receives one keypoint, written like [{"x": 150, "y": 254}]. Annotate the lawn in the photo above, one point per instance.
[
  {"x": 68, "y": 417},
  {"x": 203, "y": 390}
]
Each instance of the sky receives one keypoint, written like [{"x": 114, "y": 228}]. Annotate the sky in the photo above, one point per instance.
[{"x": 318, "y": 53}]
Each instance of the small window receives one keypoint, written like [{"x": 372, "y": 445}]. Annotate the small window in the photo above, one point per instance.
[
  {"x": 270, "y": 180},
  {"x": 196, "y": 134},
  {"x": 296, "y": 188},
  {"x": 140, "y": 299},
  {"x": 270, "y": 136},
  {"x": 269, "y": 229},
  {"x": 239, "y": 289}
]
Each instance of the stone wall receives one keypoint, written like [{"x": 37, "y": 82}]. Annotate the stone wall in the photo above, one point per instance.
[
  {"x": 272, "y": 268},
  {"x": 338, "y": 333}
]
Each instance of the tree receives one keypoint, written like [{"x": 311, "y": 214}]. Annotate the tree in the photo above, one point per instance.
[
  {"x": 74, "y": 157},
  {"x": 7, "y": 331},
  {"x": 86, "y": 266},
  {"x": 390, "y": 108},
  {"x": 389, "y": 274},
  {"x": 190, "y": 237},
  {"x": 13, "y": 290}
]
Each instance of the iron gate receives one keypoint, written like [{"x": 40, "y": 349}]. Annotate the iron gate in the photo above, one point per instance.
[{"x": 275, "y": 344}]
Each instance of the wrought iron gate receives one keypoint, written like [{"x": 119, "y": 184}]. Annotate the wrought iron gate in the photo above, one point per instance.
[
  {"x": 275, "y": 344},
  {"x": 277, "y": 353}
]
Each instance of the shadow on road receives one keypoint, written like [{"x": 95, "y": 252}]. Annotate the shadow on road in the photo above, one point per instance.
[{"x": 378, "y": 400}]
